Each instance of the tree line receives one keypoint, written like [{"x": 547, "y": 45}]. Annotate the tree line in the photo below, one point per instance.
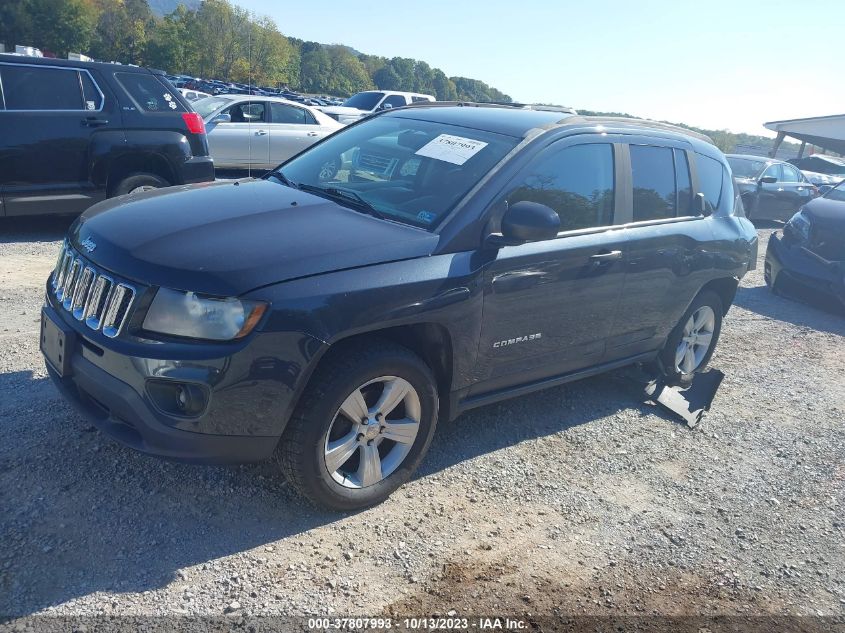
[{"x": 220, "y": 40}]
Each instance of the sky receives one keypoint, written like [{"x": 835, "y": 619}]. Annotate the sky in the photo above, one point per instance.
[{"x": 715, "y": 64}]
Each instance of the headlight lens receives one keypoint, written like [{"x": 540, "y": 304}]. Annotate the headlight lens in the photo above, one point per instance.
[
  {"x": 799, "y": 226},
  {"x": 196, "y": 316}
]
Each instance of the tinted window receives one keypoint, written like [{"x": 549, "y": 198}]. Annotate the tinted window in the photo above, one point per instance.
[
  {"x": 363, "y": 100},
  {"x": 93, "y": 98},
  {"x": 39, "y": 88},
  {"x": 709, "y": 179},
  {"x": 684, "y": 184},
  {"x": 790, "y": 174},
  {"x": 148, "y": 93},
  {"x": 653, "y": 174},
  {"x": 577, "y": 182},
  {"x": 394, "y": 101},
  {"x": 283, "y": 113},
  {"x": 418, "y": 99}
]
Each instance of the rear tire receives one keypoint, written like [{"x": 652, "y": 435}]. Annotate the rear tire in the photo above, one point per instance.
[
  {"x": 685, "y": 353},
  {"x": 337, "y": 451},
  {"x": 139, "y": 182}
]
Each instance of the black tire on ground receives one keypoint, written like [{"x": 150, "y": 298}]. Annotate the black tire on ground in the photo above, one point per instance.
[
  {"x": 667, "y": 356},
  {"x": 301, "y": 450},
  {"x": 134, "y": 181}
]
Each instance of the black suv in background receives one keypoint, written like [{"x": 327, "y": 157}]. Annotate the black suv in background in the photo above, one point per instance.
[
  {"x": 74, "y": 133},
  {"x": 461, "y": 255}
]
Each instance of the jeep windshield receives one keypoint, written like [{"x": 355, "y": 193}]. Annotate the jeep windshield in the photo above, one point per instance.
[
  {"x": 397, "y": 168},
  {"x": 363, "y": 100}
]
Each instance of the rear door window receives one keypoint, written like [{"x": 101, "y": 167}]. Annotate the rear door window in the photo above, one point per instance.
[
  {"x": 283, "y": 113},
  {"x": 44, "y": 88},
  {"x": 148, "y": 93},
  {"x": 653, "y": 174},
  {"x": 577, "y": 182},
  {"x": 710, "y": 179},
  {"x": 248, "y": 112}
]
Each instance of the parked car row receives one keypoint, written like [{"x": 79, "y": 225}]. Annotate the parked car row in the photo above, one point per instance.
[{"x": 213, "y": 87}]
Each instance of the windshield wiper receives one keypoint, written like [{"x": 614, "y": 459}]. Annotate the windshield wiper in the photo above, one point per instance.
[
  {"x": 351, "y": 198},
  {"x": 278, "y": 175}
]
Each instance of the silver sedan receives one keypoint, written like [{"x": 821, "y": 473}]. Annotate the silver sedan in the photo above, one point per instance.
[{"x": 259, "y": 132}]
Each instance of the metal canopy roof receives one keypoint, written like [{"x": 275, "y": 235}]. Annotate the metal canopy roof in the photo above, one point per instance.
[{"x": 827, "y": 132}]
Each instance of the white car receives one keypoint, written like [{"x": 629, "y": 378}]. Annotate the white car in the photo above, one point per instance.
[
  {"x": 193, "y": 95},
  {"x": 365, "y": 103},
  {"x": 259, "y": 132}
]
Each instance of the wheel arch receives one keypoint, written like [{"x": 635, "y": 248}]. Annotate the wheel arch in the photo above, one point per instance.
[
  {"x": 432, "y": 342},
  {"x": 725, "y": 288},
  {"x": 146, "y": 162}
]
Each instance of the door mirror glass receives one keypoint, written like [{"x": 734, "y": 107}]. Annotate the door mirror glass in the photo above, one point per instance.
[
  {"x": 528, "y": 222},
  {"x": 768, "y": 180},
  {"x": 222, "y": 118}
]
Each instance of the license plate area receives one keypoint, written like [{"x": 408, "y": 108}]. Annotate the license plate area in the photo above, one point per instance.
[{"x": 57, "y": 342}]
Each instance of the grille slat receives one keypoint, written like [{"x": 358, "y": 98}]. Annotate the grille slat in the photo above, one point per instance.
[{"x": 89, "y": 295}]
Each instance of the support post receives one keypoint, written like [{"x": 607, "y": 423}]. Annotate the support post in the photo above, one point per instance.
[{"x": 776, "y": 147}]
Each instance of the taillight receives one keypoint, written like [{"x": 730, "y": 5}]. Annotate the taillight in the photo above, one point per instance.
[{"x": 194, "y": 122}]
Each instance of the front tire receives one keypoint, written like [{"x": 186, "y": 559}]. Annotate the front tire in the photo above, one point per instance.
[
  {"x": 692, "y": 343},
  {"x": 362, "y": 427}
]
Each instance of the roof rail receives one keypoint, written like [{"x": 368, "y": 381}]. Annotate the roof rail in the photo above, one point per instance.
[{"x": 649, "y": 123}]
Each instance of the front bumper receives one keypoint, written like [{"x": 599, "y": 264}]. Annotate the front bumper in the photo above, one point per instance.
[
  {"x": 794, "y": 270},
  {"x": 249, "y": 393}
]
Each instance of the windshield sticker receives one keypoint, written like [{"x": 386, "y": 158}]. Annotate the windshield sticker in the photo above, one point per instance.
[
  {"x": 451, "y": 149},
  {"x": 426, "y": 216}
]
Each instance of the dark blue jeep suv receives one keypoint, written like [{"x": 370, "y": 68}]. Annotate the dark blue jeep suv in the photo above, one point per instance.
[{"x": 416, "y": 264}]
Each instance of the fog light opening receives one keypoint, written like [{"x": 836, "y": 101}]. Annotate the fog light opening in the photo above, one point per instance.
[{"x": 178, "y": 398}]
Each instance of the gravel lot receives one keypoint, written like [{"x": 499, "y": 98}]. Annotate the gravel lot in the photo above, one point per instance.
[{"x": 575, "y": 500}]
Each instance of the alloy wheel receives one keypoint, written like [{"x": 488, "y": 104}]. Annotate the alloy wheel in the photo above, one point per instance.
[
  {"x": 372, "y": 432},
  {"x": 696, "y": 340}
]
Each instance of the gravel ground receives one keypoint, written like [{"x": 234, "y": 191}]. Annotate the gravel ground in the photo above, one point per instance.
[{"x": 576, "y": 500}]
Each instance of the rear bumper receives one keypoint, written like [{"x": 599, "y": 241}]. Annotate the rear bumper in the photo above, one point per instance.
[
  {"x": 197, "y": 169},
  {"x": 794, "y": 270}
]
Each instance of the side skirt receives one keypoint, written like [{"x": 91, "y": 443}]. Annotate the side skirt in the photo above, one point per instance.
[{"x": 459, "y": 403}]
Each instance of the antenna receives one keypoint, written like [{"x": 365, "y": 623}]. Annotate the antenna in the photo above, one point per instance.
[{"x": 249, "y": 86}]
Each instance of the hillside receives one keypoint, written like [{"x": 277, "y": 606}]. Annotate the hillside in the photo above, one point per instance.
[{"x": 161, "y": 8}]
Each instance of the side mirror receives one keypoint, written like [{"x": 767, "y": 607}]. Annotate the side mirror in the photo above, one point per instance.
[
  {"x": 767, "y": 180},
  {"x": 222, "y": 118},
  {"x": 526, "y": 222},
  {"x": 385, "y": 106}
]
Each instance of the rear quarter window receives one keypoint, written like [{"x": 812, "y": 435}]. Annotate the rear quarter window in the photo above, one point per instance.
[
  {"x": 711, "y": 177},
  {"x": 148, "y": 93},
  {"x": 44, "y": 88}
]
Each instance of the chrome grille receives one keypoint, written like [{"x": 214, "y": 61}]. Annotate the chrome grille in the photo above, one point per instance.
[{"x": 89, "y": 295}]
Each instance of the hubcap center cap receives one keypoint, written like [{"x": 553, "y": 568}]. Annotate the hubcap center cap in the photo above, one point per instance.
[{"x": 371, "y": 428}]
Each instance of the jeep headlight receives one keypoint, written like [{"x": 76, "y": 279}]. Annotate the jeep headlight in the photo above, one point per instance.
[{"x": 202, "y": 317}]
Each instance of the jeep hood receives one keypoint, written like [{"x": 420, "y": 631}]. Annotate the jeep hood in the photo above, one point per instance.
[{"x": 229, "y": 238}]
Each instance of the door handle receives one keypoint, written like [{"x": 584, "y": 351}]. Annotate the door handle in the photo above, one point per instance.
[
  {"x": 313, "y": 134},
  {"x": 93, "y": 122},
  {"x": 600, "y": 258},
  {"x": 261, "y": 132}
]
